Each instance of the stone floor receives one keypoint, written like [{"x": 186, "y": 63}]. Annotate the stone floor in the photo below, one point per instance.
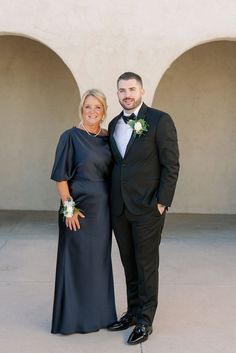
[{"x": 197, "y": 310}]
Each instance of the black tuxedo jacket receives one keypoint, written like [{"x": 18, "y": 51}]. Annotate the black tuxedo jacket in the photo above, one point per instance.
[{"x": 148, "y": 173}]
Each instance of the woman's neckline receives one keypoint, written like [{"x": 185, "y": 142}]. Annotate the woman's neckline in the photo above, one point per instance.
[{"x": 91, "y": 134}]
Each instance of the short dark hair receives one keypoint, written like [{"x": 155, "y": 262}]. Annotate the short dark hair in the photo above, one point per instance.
[{"x": 129, "y": 76}]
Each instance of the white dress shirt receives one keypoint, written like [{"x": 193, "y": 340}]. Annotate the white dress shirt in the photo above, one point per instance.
[{"x": 123, "y": 132}]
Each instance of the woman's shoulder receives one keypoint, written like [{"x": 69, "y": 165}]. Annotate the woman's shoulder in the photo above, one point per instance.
[{"x": 67, "y": 133}]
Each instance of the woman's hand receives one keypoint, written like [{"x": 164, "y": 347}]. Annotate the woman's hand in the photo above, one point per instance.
[{"x": 73, "y": 222}]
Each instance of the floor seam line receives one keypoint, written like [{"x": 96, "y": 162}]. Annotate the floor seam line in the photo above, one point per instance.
[{"x": 5, "y": 243}]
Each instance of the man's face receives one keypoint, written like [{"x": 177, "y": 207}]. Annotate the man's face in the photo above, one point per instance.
[{"x": 130, "y": 94}]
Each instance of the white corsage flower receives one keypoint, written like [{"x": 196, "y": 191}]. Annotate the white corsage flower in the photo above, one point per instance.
[
  {"x": 68, "y": 208},
  {"x": 139, "y": 126}
]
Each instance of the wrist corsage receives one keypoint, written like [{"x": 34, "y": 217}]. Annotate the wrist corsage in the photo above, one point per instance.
[
  {"x": 139, "y": 126},
  {"x": 68, "y": 208}
]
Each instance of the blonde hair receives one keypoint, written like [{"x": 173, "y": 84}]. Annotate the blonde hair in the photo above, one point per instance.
[{"x": 97, "y": 94}]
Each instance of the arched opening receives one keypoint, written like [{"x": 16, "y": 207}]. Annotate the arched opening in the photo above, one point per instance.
[
  {"x": 199, "y": 91},
  {"x": 39, "y": 99}
]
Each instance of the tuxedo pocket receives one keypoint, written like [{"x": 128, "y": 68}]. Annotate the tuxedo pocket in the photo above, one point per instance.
[
  {"x": 158, "y": 213},
  {"x": 156, "y": 210}
]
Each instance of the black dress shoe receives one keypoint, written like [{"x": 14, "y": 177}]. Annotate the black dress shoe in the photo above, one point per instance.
[
  {"x": 139, "y": 334},
  {"x": 125, "y": 322}
]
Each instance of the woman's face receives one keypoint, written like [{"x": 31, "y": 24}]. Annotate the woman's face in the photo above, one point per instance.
[{"x": 92, "y": 111}]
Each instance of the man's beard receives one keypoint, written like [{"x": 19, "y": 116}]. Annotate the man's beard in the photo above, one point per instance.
[{"x": 134, "y": 106}]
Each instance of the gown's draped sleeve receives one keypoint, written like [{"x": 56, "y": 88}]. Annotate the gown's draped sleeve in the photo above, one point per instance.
[{"x": 63, "y": 165}]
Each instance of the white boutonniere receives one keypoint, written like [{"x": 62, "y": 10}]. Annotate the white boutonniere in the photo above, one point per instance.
[{"x": 139, "y": 126}]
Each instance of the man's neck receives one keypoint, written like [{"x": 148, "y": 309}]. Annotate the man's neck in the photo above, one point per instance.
[{"x": 135, "y": 111}]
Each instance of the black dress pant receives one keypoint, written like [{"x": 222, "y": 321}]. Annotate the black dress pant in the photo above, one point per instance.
[{"x": 138, "y": 239}]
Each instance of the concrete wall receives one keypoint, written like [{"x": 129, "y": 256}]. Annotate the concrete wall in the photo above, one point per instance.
[
  {"x": 38, "y": 99},
  {"x": 199, "y": 91},
  {"x": 97, "y": 42}
]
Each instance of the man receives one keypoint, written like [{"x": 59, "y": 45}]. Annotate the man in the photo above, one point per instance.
[{"x": 143, "y": 184}]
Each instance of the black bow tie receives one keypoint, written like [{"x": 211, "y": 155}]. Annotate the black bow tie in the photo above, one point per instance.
[{"x": 130, "y": 117}]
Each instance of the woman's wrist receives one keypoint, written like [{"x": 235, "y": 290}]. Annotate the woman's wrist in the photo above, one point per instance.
[{"x": 68, "y": 208}]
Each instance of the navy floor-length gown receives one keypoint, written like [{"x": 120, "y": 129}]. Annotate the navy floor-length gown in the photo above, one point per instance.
[{"x": 84, "y": 293}]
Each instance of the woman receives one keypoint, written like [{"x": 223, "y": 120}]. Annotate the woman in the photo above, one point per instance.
[{"x": 84, "y": 293}]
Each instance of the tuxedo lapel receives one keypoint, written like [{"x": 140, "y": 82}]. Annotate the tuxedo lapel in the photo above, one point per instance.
[
  {"x": 131, "y": 141},
  {"x": 112, "y": 140},
  {"x": 141, "y": 115}
]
